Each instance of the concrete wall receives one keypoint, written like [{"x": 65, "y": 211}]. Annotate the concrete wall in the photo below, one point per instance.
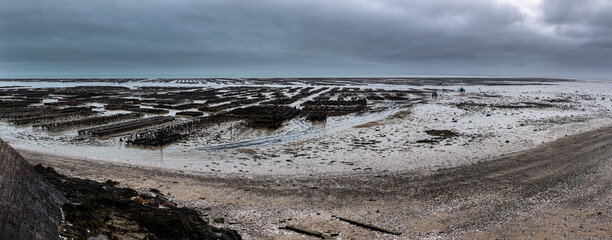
[{"x": 30, "y": 208}]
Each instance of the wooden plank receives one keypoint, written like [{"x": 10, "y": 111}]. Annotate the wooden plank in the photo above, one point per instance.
[
  {"x": 308, "y": 232},
  {"x": 368, "y": 226}
]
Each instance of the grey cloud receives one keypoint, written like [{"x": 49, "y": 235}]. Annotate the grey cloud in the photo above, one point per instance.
[
  {"x": 579, "y": 19},
  {"x": 318, "y": 37}
]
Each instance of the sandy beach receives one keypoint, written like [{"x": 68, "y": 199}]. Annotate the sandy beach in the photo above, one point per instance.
[
  {"x": 520, "y": 160},
  {"x": 558, "y": 190}
]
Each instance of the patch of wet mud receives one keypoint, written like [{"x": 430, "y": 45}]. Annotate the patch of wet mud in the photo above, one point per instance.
[{"x": 439, "y": 135}]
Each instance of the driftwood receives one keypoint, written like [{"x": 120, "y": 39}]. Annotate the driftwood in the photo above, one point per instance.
[
  {"x": 308, "y": 232},
  {"x": 368, "y": 226}
]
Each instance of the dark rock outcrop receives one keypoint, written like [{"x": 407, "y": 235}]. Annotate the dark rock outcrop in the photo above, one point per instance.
[
  {"x": 39, "y": 203},
  {"x": 101, "y": 208}
]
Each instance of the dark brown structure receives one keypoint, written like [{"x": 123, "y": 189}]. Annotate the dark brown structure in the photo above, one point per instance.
[{"x": 30, "y": 208}]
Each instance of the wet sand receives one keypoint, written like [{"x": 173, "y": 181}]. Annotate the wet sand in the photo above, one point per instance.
[{"x": 560, "y": 189}]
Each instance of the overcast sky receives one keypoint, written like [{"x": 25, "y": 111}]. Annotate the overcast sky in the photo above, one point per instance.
[{"x": 247, "y": 38}]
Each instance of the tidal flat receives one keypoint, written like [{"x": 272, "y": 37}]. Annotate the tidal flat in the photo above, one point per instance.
[{"x": 266, "y": 153}]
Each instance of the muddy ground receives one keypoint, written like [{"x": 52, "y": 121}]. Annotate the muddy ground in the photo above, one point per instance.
[{"x": 561, "y": 189}]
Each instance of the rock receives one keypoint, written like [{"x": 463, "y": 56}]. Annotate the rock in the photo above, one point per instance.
[
  {"x": 146, "y": 196},
  {"x": 123, "y": 225},
  {"x": 111, "y": 183},
  {"x": 138, "y": 200},
  {"x": 169, "y": 204},
  {"x": 116, "y": 213},
  {"x": 219, "y": 220},
  {"x": 99, "y": 237}
]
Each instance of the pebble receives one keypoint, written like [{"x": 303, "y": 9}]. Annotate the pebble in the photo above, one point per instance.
[
  {"x": 169, "y": 204},
  {"x": 138, "y": 200}
]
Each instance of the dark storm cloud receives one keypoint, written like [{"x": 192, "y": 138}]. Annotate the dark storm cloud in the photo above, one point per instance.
[
  {"x": 589, "y": 21},
  {"x": 319, "y": 37}
]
